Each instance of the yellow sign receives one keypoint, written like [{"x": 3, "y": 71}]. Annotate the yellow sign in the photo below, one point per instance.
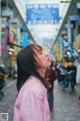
[
  {"x": 56, "y": 48},
  {"x": 58, "y": 57}
]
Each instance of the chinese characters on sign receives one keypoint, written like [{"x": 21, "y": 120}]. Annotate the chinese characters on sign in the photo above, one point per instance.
[{"x": 42, "y": 14}]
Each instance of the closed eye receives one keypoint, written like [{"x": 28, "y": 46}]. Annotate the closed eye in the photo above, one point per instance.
[{"x": 40, "y": 52}]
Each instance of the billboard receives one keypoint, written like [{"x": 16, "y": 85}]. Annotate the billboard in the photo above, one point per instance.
[{"x": 42, "y": 13}]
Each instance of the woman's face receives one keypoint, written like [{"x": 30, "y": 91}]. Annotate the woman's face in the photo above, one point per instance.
[{"x": 42, "y": 59}]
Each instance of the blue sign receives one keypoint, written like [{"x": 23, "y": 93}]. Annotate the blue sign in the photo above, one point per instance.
[
  {"x": 74, "y": 17},
  {"x": 25, "y": 40},
  {"x": 42, "y": 14}
]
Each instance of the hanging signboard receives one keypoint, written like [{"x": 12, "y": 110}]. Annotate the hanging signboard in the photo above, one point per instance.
[
  {"x": 42, "y": 13},
  {"x": 68, "y": 25},
  {"x": 3, "y": 22},
  {"x": 7, "y": 12},
  {"x": 13, "y": 20},
  {"x": 25, "y": 41},
  {"x": 69, "y": 48},
  {"x": 74, "y": 17}
]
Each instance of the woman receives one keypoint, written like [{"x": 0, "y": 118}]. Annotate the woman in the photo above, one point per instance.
[{"x": 31, "y": 103}]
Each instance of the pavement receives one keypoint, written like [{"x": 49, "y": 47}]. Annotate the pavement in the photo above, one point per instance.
[
  {"x": 66, "y": 105},
  {"x": 7, "y": 103}
]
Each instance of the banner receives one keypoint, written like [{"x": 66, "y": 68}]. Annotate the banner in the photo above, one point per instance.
[
  {"x": 42, "y": 13},
  {"x": 69, "y": 48}
]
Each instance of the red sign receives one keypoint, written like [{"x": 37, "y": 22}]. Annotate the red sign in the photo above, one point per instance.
[{"x": 4, "y": 47}]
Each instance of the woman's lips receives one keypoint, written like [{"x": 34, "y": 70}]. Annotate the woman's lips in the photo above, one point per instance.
[{"x": 49, "y": 59}]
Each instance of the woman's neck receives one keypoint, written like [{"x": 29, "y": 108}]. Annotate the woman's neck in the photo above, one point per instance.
[{"x": 42, "y": 72}]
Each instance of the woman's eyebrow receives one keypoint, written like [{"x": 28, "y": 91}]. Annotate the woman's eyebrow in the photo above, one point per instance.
[{"x": 39, "y": 51}]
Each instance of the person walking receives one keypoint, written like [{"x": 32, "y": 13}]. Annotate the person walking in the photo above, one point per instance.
[
  {"x": 72, "y": 76},
  {"x": 51, "y": 76},
  {"x": 31, "y": 103},
  {"x": 3, "y": 83}
]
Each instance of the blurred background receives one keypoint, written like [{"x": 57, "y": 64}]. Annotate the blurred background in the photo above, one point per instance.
[{"x": 55, "y": 25}]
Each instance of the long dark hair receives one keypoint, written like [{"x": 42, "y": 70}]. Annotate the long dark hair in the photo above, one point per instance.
[{"x": 27, "y": 66}]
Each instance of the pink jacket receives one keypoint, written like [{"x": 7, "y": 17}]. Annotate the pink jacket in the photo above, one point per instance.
[{"x": 31, "y": 103}]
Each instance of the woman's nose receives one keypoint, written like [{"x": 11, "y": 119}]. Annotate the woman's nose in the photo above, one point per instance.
[{"x": 46, "y": 54}]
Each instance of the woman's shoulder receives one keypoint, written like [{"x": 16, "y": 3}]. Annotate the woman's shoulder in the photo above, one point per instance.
[{"x": 34, "y": 85}]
